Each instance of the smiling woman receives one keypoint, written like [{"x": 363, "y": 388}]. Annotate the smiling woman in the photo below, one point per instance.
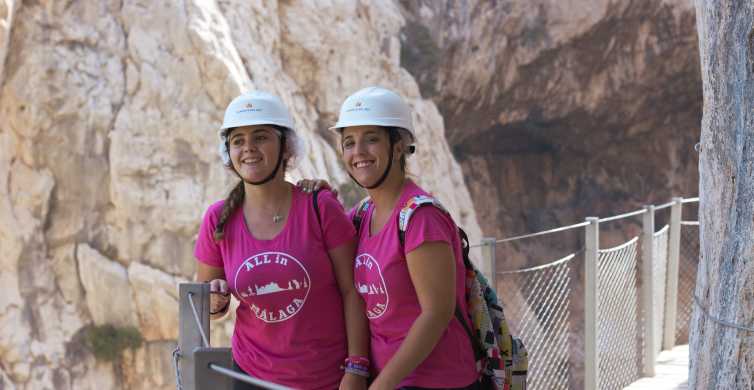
[
  {"x": 412, "y": 280},
  {"x": 285, "y": 254},
  {"x": 371, "y": 137},
  {"x": 254, "y": 149}
]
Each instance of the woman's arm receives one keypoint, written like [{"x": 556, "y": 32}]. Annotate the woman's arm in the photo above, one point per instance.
[
  {"x": 357, "y": 329},
  {"x": 219, "y": 297},
  {"x": 432, "y": 268}
]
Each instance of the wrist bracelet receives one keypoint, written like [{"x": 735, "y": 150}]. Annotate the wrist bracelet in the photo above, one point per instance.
[
  {"x": 357, "y": 365},
  {"x": 360, "y": 373},
  {"x": 360, "y": 360}
]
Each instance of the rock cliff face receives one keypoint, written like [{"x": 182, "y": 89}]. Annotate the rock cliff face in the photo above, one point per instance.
[
  {"x": 109, "y": 113},
  {"x": 558, "y": 110}
]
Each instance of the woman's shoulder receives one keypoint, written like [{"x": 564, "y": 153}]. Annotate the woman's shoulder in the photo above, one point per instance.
[
  {"x": 216, "y": 207},
  {"x": 413, "y": 201},
  {"x": 412, "y": 194},
  {"x": 325, "y": 202},
  {"x": 324, "y": 196},
  {"x": 213, "y": 210},
  {"x": 411, "y": 189}
]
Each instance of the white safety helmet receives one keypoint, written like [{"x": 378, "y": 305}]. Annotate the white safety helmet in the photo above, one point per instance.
[
  {"x": 255, "y": 108},
  {"x": 375, "y": 106}
]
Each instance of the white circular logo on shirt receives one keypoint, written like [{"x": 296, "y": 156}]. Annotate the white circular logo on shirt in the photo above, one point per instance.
[
  {"x": 371, "y": 285},
  {"x": 274, "y": 285}
]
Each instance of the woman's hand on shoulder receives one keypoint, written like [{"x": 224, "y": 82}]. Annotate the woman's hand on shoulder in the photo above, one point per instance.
[{"x": 311, "y": 185}]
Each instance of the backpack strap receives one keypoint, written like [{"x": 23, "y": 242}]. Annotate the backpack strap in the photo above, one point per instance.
[
  {"x": 422, "y": 200},
  {"x": 315, "y": 195},
  {"x": 403, "y": 218},
  {"x": 476, "y": 345},
  {"x": 408, "y": 210},
  {"x": 361, "y": 210}
]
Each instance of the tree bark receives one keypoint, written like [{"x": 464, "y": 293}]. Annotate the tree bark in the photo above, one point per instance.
[{"x": 721, "y": 356}]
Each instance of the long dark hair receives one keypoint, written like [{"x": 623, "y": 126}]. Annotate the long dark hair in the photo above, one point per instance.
[
  {"x": 394, "y": 134},
  {"x": 232, "y": 202}
]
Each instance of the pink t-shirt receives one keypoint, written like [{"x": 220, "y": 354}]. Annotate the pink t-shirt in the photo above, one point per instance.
[
  {"x": 382, "y": 278},
  {"x": 290, "y": 325}
]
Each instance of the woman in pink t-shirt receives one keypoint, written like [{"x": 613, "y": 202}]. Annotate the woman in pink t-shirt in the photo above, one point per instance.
[
  {"x": 411, "y": 288},
  {"x": 287, "y": 257}
]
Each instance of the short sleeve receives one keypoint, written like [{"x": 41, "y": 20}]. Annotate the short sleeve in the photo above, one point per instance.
[
  {"x": 429, "y": 224},
  {"x": 207, "y": 250},
  {"x": 336, "y": 225}
]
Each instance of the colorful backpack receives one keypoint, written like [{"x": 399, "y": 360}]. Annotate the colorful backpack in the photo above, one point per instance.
[{"x": 501, "y": 358}]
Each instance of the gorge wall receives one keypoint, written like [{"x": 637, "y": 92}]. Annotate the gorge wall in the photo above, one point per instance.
[
  {"x": 559, "y": 110},
  {"x": 553, "y": 110}
]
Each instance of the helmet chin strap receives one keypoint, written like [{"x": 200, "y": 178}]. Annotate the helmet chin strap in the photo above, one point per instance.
[
  {"x": 384, "y": 175},
  {"x": 274, "y": 171}
]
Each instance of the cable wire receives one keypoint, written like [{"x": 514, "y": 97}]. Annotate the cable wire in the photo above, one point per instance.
[
  {"x": 621, "y": 216},
  {"x": 196, "y": 318},
  {"x": 719, "y": 321},
  {"x": 539, "y": 267},
  {"x": 560, "y": 229},
  {"x": 246, "y": 378},
  {"x": 664, "y": 205},
  {"x": 176, "y": 358}
]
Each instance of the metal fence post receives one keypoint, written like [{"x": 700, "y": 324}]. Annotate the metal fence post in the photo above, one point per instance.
[
  {"x": 671, "y": 292},
  {"x": 189, "y": 335},
  {"x": 488, "y": 266},
  {"x": 647, "y": 291},
  {"x": 591, "y": 363}
]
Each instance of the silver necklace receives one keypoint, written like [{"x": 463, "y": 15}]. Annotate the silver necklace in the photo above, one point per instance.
[{"x": 278, "y": 215}]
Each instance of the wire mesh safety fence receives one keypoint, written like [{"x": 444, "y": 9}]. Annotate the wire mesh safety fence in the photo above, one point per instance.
[
  {"x": 544, "y": 305},
  {"x": 617, "y": 316},
  {"x": 622, "y": 297},
  {"x": 537, "y": 305},
  {"x": 659, "y": 274},
  {"x": 688, "y": 263},
  {"x": 635, "y": 313}
]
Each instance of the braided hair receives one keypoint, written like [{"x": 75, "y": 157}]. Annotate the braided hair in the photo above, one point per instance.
[{"x": 232, "y": 202}]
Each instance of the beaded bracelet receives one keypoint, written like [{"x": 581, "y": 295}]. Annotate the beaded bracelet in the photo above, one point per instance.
[
  {"x": 358, "y": 360},
  {"x": 357, "y": 365}
]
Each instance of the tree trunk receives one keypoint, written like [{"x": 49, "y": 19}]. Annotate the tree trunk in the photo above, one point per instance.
[{"x": 722, "y": 356}]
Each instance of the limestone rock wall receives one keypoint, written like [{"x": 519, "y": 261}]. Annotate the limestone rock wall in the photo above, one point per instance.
[
  {"x": 558, "y": 110},
  {"x": 108, "y": 118},
  {"x": 554, "y": 110}
]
